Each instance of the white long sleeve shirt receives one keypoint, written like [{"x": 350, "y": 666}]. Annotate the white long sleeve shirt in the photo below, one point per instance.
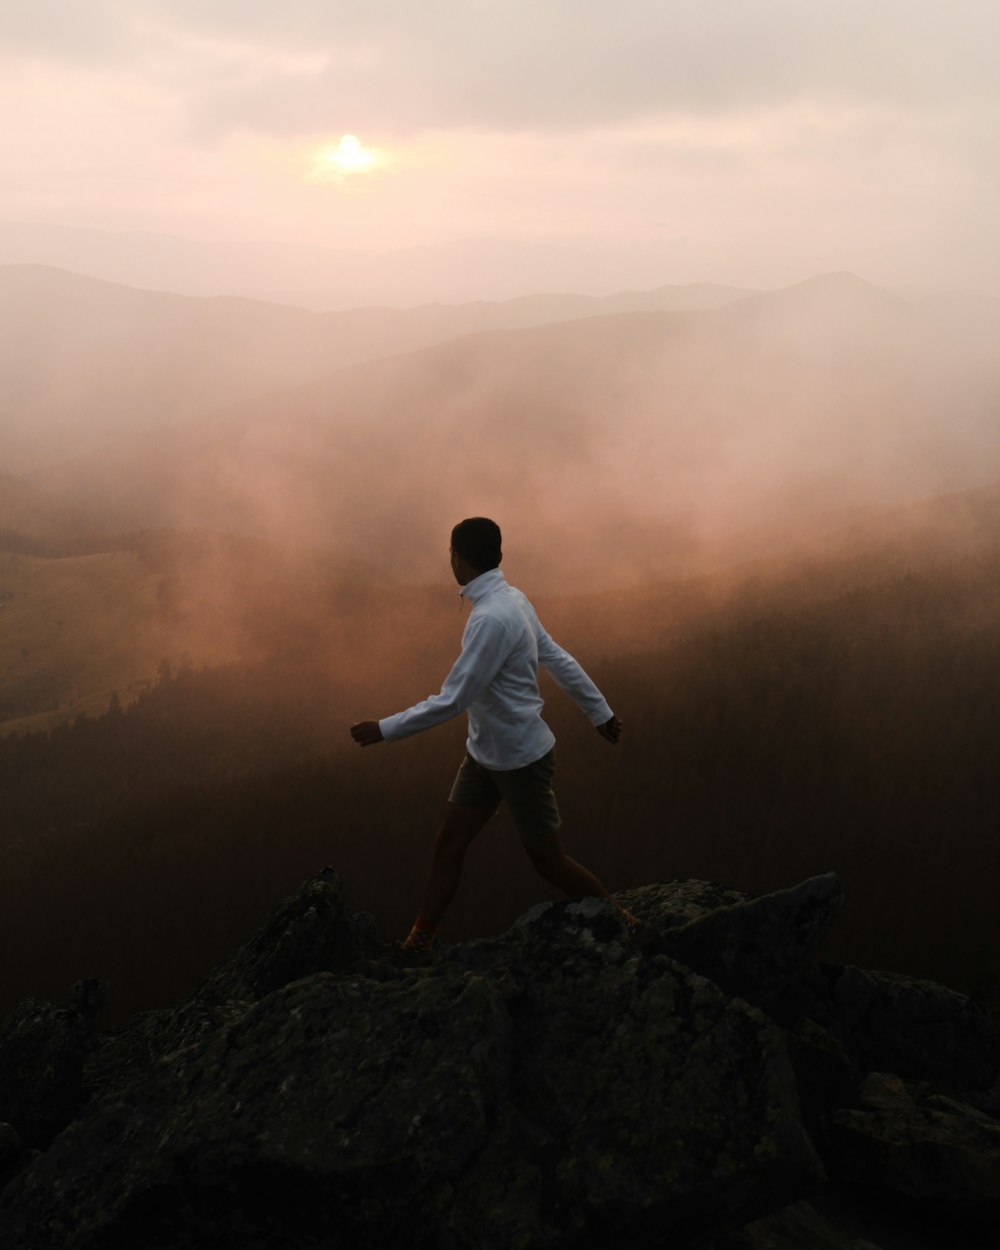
[{"x": 495, "y": 679}]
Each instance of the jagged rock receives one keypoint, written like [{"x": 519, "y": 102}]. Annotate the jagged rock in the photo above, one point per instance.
[
  {"x": 312, "y": 931},
  {"x": 43, "y": 1049},
  {"x": 673, "y": 904},
  {"x": 559, "y": 1087},
  {"x": 824, "y": 1072},
  {"x": 10, "y": 1145},
  {"x": 884, "y": 1091},
  {"x": 798, "y": 1226},
  {"x": 11, "y": 1153},
  {"x": 936, "y": 1153},
  {"x": 763, "y": 949},
  {"x": 571, "y": 1088},
  {"x": 919, "y": 1030}
]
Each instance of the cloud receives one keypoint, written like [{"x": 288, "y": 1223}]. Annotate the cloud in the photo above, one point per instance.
[
  {"x": 571, "y": 66},
  {"x": 829, "y": 133},
  {"x": 562, "y": 65}
]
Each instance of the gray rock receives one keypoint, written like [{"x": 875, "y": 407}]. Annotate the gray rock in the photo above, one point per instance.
[
  {"x": 572, "y": 1088},
  {"x": 559, "y": 1087},
  {"x": 798, "y": 1226},
  {"x": 10, "y": 1145},
  {"x": 824, "y": 1072},
  {"x": 312, "y": 931},
  {"x": 884, "y": 1091},
  {"x": 763, "y": 949},
  {"x": 672, "y": 904},
  {"x": 43, "y": 1051},
  {"x": 937, "y": 1154},
  {"x": 919, "y": 1030}
]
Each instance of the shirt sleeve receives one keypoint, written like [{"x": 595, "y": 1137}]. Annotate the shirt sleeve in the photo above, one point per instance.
[
  {"x": 485, "y": 646},
  {"x": 568, "y": 674}
]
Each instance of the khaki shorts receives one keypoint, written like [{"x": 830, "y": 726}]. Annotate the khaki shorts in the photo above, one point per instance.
[{"x": 526, "y": 791}]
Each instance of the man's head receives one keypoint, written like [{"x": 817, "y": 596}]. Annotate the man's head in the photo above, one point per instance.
[{"x": 475, "y": 548}]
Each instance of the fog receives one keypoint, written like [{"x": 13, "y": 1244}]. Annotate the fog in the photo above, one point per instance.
[
  {"x": 768, "y": 523},
  {"x": 286, "y": 489},
  {"x": 698, "y": 302},
  {"x": 665, "y": 443}
]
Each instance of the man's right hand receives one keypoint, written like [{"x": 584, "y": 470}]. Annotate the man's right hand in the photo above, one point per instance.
[
  {"x": 366, "y": 733},
  {"x": 611, "y": 729}
]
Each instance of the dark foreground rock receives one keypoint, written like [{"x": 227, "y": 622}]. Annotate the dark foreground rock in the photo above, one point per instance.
[{"x": 553, "y": 1087}]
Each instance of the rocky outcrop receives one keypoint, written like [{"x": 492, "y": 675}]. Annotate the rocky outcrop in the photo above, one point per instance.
[
  {"x": 928, "y": 1148},
  {"x": 44, "y": 1048},
  {"x": 557, "y": 1086},
  {"x": 763, "y": 949},
  {"x": 919, "y": 1030}
]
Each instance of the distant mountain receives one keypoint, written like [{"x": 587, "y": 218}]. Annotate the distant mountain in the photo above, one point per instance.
[
  {"x": 331, "y": 277},
  {"x": 653, "y": 441},
  {"x": 83, "y": 361}
]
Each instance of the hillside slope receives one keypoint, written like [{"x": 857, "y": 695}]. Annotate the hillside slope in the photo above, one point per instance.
[
  {"x": 83, "y": 361},
  {"x": 689, "y": 438}
]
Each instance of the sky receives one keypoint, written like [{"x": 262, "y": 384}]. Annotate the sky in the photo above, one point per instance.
[{"x": 749, "y": 142}]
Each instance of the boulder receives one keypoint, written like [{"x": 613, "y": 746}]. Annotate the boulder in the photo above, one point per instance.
[
  {"x": 312, "y": 931},
  {"x": 558, "y": 1087},
  {"x": 43, "y": 1052},
  {"x": 764, "y": 949},
  {"x": 919, "y": 1030},
  {"x": 12, "y": 1153},
  {"x": 547, "y": 1089},
  {"x": 799, "y": 1226},
  {"x": 934, "y": 1152}
]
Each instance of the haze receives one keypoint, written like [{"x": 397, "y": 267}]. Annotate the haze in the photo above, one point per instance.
[
  {"x": 503, "y": 148},
  {"x": 698, "y": 300}
]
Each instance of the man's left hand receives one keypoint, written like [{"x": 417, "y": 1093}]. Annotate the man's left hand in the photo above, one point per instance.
[
  {"x": 611, "y": 729},
  {"x": 366, "y": 733}
]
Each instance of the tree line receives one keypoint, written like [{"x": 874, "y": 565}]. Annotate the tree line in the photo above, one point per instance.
[{"x": 764, "y": 742}]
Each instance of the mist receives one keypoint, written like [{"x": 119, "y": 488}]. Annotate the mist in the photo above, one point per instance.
[{"x": 699, "y": 305}]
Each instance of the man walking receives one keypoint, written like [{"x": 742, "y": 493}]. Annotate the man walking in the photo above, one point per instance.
[{"x": 509, "y": 747}]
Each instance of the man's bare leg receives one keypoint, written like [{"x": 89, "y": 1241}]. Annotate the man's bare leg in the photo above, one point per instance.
[
  {"x": 555, "y": 866},
  {"x": 461, "y": 824}
]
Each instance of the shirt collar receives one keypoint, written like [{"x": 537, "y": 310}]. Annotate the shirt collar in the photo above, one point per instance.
[{"x": 481, "y": 586}]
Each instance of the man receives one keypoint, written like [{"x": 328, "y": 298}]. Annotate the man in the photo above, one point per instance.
[{"x": 509, "y": 748}]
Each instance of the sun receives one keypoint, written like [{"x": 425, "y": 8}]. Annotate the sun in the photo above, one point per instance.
[{"x": 349, "y": 156}]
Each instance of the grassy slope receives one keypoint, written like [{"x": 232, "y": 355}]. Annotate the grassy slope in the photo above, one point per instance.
[{"x": 75, "y": 629}]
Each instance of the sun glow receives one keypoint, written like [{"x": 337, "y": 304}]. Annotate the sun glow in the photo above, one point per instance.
[{"x": 349, "y": 156}]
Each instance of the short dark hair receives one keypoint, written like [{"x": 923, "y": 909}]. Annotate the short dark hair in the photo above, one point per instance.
[{"x": 477, "y": 539}]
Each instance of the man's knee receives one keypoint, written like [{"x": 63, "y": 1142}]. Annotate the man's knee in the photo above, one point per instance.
[
  {"x": 546, "y": 854},
  {"x": 461, "y": 824}
]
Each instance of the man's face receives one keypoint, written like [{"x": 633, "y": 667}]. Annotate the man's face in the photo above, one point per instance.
[{"x": 456, "y": 560}]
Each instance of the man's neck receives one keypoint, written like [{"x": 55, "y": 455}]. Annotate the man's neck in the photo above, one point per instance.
[{"x": 479, "y": 586}]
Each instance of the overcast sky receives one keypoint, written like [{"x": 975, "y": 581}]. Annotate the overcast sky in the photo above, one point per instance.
[{"x": 753, "y": 142}]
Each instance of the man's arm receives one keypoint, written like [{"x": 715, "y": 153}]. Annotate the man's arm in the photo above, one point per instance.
[
  {"x": 485, "y": 646},
  {"x": 571, "y": 678}
]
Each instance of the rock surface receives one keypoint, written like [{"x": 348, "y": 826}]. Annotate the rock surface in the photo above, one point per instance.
[
  {"x": 43, "y": 1052},
  {"x": 552, "y": 1087}
]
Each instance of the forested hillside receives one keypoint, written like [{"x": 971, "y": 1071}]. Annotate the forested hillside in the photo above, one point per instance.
[{"x": 768, "y": 736}]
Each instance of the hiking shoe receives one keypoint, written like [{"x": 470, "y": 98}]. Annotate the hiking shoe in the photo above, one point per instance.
[
  {"x": 418, "y": 940},
  {"x": 642, "y": 935},
  {"x": 417, "y": 949}
]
